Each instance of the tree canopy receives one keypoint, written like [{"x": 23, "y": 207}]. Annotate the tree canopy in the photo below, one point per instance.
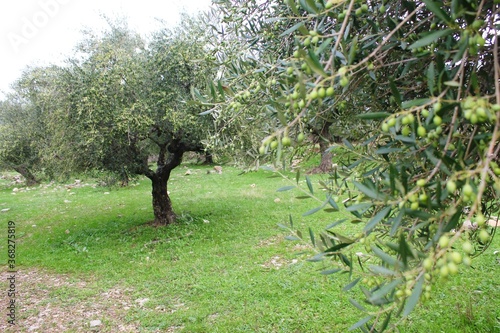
[
  {"x": 119, "y": 102},
  {"x": 416, "y": 85}
]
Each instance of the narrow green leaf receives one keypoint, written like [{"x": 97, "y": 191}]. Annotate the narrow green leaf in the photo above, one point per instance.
[
  {"x": 293, "y": 7},
  {"x": 309, "y": 184},
  {"x": 364, "y": 206},
  {"x": 387, "y": 150},
  {"x": 197, "y": 95},
  {"x": 297, "y": 176},
  {"x": 323, "y": 46},
  {"x": 452, "y": 84},
  {"x": 285, "y": 188},
  {"x": 292, "y": 238},
  {"x": 351, "y": 284},
  {"x": 404, "y": 250},
  {"x": 386, "y": 322},
  {"x": 382, "y": 270},
  {"x": 391, "y": 261},
  {"x": 360, "y": 323},
  {"x": 414, "y": 297},
  {"x": 373, "y": 115},
  {"x": 331, "y": 271},
  {"x": 333, "y": 203},
  {"x": 393, "y": 173},
  {"x": 436, "y": 161},
  {"x": 366, "y": 190},
  {"x": 353, "y": 50},
  {"x": 376, "y": 219},
  {"x": 430, "y": 38},
  {"x": 336, "y": 223},
  {"x": 204, "y": 113},
  {"x": 292, "y": 29},
  {"x": 384, "y": 290},
  {"x": 337, "y": 247},
  {"x": 431, "y": 77},
  {"x": 355, "y": 303},
  {"x": 395, "y": 91},
  {"x": 311, "y": 235},
  {"x": 313, "y": 62},
  {"x": 452, "y": 224},
  {"x": 281, "y": 117},
  {"x": 348, "y": 144},
  {"x": 317, "y": 257},
  {"x": 312, "y": 211},
  {"x": 415, "y": 102},
  {"x": 221, "y": 89},
  {"x": 309, "y": 6},
  {"x": 396, "y": 222},
  {"x": 435, "y": 7}
]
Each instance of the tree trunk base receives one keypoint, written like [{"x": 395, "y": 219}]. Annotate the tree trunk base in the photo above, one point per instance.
[{"x": 325, "y": 166}]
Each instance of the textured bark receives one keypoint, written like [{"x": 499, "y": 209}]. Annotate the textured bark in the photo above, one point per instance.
[
  {"x": 324, "y": 138},
  {"x": 326, "y": 157},
  {"x": 162, "y": 205},
  {"x": 26, "y": 173}
]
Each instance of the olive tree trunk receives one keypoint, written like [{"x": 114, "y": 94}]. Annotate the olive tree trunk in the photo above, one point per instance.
[
  {"x": 162, "y": 205},
  {"x": 26, "y": 173}
]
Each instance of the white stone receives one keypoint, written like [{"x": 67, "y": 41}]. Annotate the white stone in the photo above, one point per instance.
[
  {"x": 95, "y": 323},
  {"x": 141, "y": 301}
]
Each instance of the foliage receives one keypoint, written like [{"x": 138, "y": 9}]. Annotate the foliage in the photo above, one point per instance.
[
  {"x": 118, "y": 102},
  {"x": 425, "y": 76},
  {"x": 26, "y": 119}
]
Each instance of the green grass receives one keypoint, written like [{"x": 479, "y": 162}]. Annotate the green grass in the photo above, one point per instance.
[{"x": 224, "y": 267}]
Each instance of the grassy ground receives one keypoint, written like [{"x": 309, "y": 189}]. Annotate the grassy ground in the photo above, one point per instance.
[{"x": 87, "y": 253}]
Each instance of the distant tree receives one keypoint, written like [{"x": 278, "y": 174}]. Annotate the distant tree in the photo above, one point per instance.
[{"x": 25, "y": 120}]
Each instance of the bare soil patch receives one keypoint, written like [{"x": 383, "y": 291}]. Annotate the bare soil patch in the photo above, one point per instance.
[{"x": 49, "y": 302}]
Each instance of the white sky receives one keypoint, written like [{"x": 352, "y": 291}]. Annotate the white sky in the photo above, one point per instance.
[{"x": 39, "y": 32}]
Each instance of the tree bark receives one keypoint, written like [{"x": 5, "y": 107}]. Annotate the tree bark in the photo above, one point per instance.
[
  {"x": 162, "y": 205},
  {"x": 26, "y": 173},
  {"x": 208, "y": 158},
  {"x": 324, "y": 137},
  {"x": 326, "y": 157}
]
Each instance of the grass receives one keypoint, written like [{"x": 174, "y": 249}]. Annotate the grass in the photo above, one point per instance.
[{"x": 225, "y": 267}]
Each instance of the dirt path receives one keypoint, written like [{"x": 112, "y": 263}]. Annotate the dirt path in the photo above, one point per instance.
[{"x": 60, "y": 303}]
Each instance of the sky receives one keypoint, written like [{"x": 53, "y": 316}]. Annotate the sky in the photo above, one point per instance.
[{"x": 41, "y": 32}]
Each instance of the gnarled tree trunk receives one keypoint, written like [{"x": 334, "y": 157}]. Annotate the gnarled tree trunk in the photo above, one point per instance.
[
  {"x": 324, "y": 137},
  {"x": 162, "y": 205},
  {"x": 326, "y": 157},
  {"x": 26, "y": 173}
]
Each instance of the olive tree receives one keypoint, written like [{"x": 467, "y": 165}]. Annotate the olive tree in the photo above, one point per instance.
[
  {"x": 425, "y": 76},
  {"x": 254, "y": 59},
  {"x": 26, "y": 117},
  {"x": 129, "y": 101}
]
